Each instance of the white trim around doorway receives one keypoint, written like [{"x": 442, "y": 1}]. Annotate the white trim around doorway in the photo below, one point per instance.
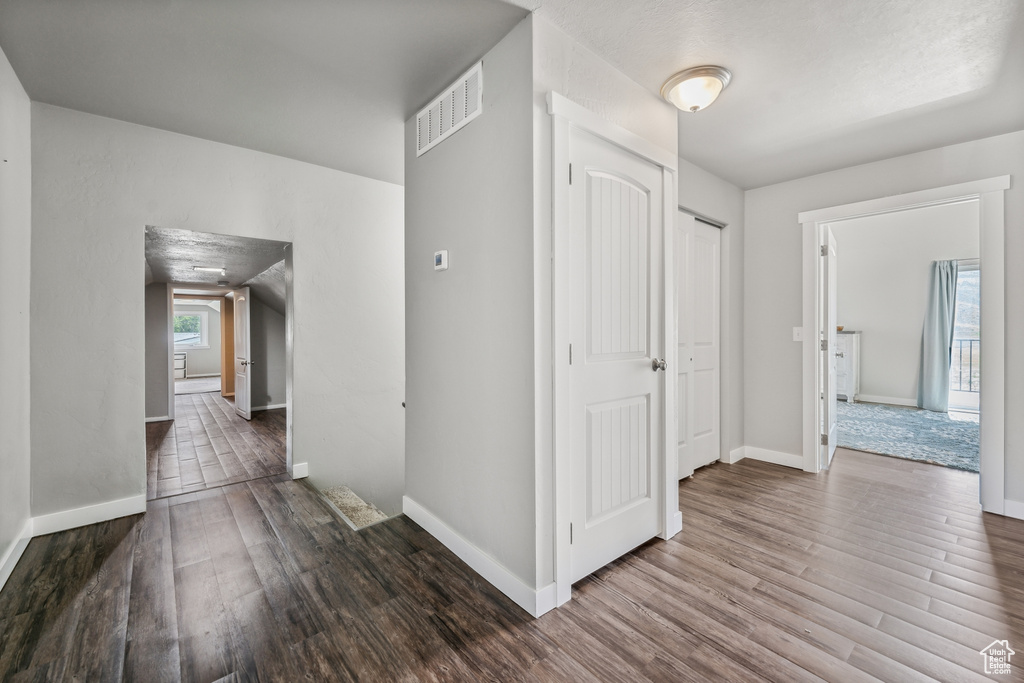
[{"x": 989, "y": 195}]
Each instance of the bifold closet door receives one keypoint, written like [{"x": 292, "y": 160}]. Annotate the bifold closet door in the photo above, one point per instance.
[{"x": 698, "y": 360}]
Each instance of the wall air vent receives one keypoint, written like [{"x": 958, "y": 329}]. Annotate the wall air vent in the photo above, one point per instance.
[{"x": 457, "y": 105}]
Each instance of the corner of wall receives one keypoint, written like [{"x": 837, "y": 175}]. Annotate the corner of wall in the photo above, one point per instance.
[
  {"x": 536, "y": 601},
  {"x": 15, "y": 318},
  {"x": 470, "y": 352}
]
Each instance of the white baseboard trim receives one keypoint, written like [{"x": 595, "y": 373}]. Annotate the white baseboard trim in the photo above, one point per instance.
[
  {"x": 272, "y": 406},
  {"x": 735, "y": 455},
  {"x": 90, "y": 514},
  {"x": 891, "y": 400},
  {"x": 765, "y": 455},
  {"x": 14, "y": 552},
  {"x": 300, "y": 470},
  {"x": 1013, "y": 508},
  {"x": 165, "y": 418},
  {"x": 546, "y": 600},
  {"x": 205, "y": 374},
  {"x": 536, "y": 602}
]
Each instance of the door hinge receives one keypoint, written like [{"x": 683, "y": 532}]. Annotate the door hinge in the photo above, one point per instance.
[
  {"x": 824, "y": 439},
  {"x": 824, "y": 344},
  {"x": 570, "y": 533},
  {"x": 570, "y": 174},
  {"x": 570, "y": 354},
  {"x": 824, "y": 250}
]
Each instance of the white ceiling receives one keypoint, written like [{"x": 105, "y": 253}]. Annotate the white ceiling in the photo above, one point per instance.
[
  {"x": 330, "y": 82},
  {"x": 817, "y": 84}
]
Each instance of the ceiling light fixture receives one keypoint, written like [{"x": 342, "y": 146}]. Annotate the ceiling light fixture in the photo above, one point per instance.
[
  {"x": 693, "y": 89},
  {"x": 209, "y": 269}
]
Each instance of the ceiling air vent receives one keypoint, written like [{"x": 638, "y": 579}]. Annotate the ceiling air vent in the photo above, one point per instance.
[{"x": 460, "y": 103}]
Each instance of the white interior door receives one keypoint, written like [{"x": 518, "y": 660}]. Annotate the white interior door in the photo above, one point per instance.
[
  {"x": 698, "y": 335},
  {"x": 684, "y": 238},
  {"x": 243, "y": 355},
  {"x": 617, "y": 378},
  {"x": 705, "y": 283},
  {"x": 829, "y": 352}
]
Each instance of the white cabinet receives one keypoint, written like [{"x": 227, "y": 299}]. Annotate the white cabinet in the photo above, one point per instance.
[
  {"x": 180, "y": 366},
  {"x": 848, "y": 365}
]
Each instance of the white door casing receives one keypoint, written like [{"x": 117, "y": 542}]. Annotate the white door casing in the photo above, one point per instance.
[
  {"x": 243, "y": 355},
  {"x": 830, "y": 371},
  {"x": 617, "y": 421},
  {"x": 990, "y": 195},
  {"x": 698, "y": 337}
]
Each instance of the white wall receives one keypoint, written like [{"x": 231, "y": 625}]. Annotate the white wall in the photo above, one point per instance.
[
  {"x": 96, "y": 183},
  {"x": 157, "y": 349},
  {"x": 884, "y": 270},
  {"x": 469, "y": 362},
  {"x": 15, "y": 242},
  {"x": 479, "y": 451},
  {"x": 202, "y": 361},
  {"x": 267, "y": 345},
  {"x": 773, "y": 287},
  {"x": 711, "y": 196}
]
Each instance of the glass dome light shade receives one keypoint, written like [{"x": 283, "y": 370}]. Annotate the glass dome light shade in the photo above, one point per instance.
[{"x": 694, "y": 89}]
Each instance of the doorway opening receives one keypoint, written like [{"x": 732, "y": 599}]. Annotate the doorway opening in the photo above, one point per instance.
[
  {"x": 198, "y": 340},
  {"x": 218, "y": 360},
  {"x": 894, "y": 290},
  {"x": 819, "y": 393}
]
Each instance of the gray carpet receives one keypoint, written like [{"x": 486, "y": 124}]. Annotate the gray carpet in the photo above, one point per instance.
[
  {"x": 940, "y": 438},
  {"x": 358, "y": 512}
]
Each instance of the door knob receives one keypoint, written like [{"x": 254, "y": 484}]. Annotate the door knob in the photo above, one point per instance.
[
  {"x": 658, "y": 364},
  {"x": 840, "y": 354}
]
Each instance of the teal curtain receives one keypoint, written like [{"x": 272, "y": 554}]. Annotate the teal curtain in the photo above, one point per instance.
[{"x": 937, "y": 338}]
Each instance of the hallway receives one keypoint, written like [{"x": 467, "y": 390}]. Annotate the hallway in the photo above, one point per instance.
[
  {"x": 208, "y": 445},
  {"x": 879, "y": 569}
]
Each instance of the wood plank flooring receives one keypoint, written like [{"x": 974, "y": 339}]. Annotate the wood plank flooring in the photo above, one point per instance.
[
  {"x": 209, "y": 445},
  {"x": 881, "y": 569}
]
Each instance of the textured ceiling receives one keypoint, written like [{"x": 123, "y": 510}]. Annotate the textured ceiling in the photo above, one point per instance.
[
  {"x": 329, "y": 82},
  {"x": 270, "y": 287},
  {"x": 817, "y": 85},
  {"x": 171, "y": 254}
]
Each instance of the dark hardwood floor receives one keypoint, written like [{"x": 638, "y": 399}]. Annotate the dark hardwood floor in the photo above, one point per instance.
[
  {"x": 880, "y": 569},
  {"x": 208, "y": 445}
]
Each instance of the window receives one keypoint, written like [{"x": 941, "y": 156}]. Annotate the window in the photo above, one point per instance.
[
  {"x": 965, "y": 355},
  {"x": 191, "y": 329}
]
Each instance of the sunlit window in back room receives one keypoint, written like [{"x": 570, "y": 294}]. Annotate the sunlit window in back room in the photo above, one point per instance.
[{"x": 965, "y": 363}]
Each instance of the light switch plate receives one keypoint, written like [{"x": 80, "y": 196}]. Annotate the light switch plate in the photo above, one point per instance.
[
  {"x": 798, "y": 334},
  {"x": 441, "y": 260}
]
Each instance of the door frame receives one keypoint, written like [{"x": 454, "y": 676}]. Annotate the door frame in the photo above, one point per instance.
[
  {"x": 566, "y": 114},
  {"x": 289, "y": 349},
  {"x": 212, "y": 295},
  {"x": 989, "y": 193}
]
